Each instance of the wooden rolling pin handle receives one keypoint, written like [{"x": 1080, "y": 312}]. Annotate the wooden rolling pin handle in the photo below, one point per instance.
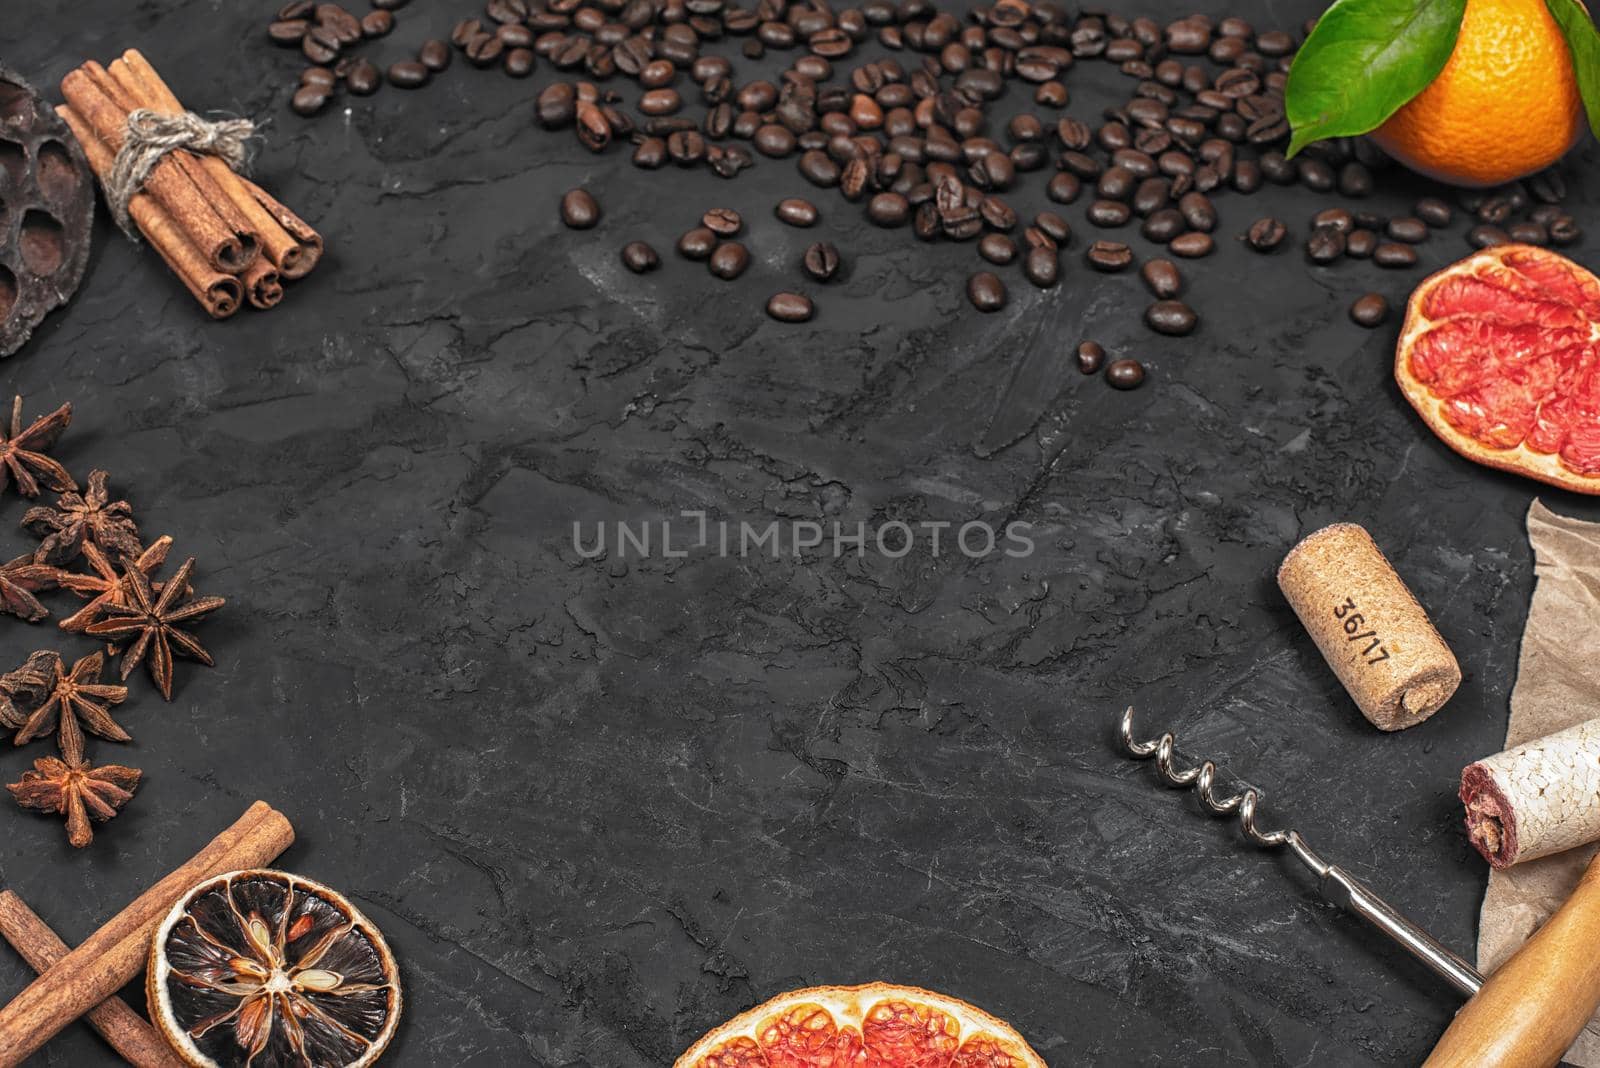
[{"x": 1534, "y": 1005}]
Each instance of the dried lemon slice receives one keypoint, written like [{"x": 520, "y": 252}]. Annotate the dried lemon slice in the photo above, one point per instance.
[{"x": 268, "y": 968}]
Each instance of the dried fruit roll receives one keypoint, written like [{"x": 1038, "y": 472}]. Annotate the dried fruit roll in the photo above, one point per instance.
[
  {"x": 1538, "y": 798},
  {"x": 1371, "y": 630}
]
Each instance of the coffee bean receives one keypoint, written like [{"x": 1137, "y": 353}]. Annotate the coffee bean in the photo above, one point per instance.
[
  {"x": 1041, "y": 266},
  {"x": 1191, "y": 245},
  {"x": 519, "y": 63},
  {"x": 821, "y": 261},
  {"x": 790, "y": 307},
  {"x": 1528, "y": 232},
  {"x": 1326, "y": 244},
  {"x": 1246, "y": 176},
  {"x": 287, "y": 31},
  {"x": 1266, "y": 234},
  {"x": 774, "y": 140},
  {"x": 1564, "y": 230},
  {"x": 697, "y": 244},
  {"x": 363, "y": 78},
  {"x": 407, "y": 74},
  {"x": 485, "y": 50},
  {"x": 555, "y": 106},
  {"x": 1162, "y": 278},
  {"x": 1370, "y": 310},
  {"x": 1109, "y": 213},
  {"x": 1054, "y": 225},
  {"x": 797, "y": 212},
  {"x": 319, "y": 46},
  {"x": 1163, "y": 225},
  {"x": 1434, "y": 212},
  {"x": 1091, "y": 356},
  {"x": 1117, "y": 183},
  {"x": 1171, "y": 317},
  {"x": 729, "y": 260},
  {"x": 639, "y": 257},
  {"x": 1064, "y": 188},
  {"x": 1109, "y": 256},
  {"x": 889, "y": 209},
  {"x": 1355, "y": 180},
  {"x": 660, "y": 102},
  {"x": 1125, "y": 374},
  {"x": 818, "y": 169},
  {"x": 724, "y": 222},
  {"x": 997, "y": 248},
  {"x": 1408, "y": 229},
  {"x": 1392, "y": 254},
  {"x": 1485, "y": 236},
  {"x": 1198, "y": 212},
  {"x": 308, "y": 100},
  {"x": 1277, "y": 169},
  {"x": 1360, "y": 244},
  {"x": 986, "y": 291},
  {"x": 376, "y": 23},
  {"x": 318, "y": 78}
]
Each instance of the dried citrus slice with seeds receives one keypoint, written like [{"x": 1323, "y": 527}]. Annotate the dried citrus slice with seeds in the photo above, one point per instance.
[
  {"x": 1500, "y": 354},
  {"x": 878, "y": 1025},
  {"x": 269, "y": 969}
]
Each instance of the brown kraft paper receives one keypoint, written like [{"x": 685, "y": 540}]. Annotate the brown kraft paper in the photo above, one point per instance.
[{"x": 1558, "y": 686}]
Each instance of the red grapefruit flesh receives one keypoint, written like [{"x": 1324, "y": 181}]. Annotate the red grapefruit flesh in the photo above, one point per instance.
[
  {"x": 879, "y": 1025},
  {"x": 1500, "y": 354}
]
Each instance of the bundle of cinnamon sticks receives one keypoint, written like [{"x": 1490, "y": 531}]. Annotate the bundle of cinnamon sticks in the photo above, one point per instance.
[{"x": 228, "y": 241}]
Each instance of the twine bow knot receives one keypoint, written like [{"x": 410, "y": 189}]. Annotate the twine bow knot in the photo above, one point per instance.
[{"x": 151, "y": 134}]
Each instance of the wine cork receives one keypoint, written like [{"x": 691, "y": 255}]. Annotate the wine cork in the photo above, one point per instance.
[{"x": 1369, "y": 627}]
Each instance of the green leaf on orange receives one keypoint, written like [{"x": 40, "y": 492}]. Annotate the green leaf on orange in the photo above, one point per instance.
[
  {"x": 1584, "y": 43},
  {"x": 1363, "y": 61}
]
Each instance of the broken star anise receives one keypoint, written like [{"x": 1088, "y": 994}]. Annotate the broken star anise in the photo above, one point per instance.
[
  {"x": 104, "y": 585},
  {"x": 81, "y": 518},
  {"x": 20, "y": 580},
  {"x": 22, "y": 689},
  {"x": 76, "y": 703},
  {"x": 76, "y": 790},
  {"x": 22, "y": 451},
  {"x": 150, "y": 620}
]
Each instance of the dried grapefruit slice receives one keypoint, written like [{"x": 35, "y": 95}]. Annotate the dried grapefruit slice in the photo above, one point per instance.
[
  {"x": 1500, "y": 354},
  {"x": 878, "y": 1025}
]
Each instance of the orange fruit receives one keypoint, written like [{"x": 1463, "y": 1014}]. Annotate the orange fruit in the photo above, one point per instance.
[
  {"x": 879, "y": 1025},
  {"x": 1506, "y": 103},
  {"x": 1500, "y": 354}
]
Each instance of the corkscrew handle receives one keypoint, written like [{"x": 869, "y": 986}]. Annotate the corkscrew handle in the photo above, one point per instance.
[{"x": 1339, "y": 887}]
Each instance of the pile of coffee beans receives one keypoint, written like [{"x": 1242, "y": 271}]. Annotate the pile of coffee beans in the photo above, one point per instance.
[{"x": 914, "y": 141}]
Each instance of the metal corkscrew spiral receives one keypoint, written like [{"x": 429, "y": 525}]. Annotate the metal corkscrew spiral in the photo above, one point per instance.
[{"x": 1335, "y": 884}]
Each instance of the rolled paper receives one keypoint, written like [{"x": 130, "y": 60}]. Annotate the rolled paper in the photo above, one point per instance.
[
  {"x": 1538, "y": 798},
  {"x": 1370, "y": 629}
]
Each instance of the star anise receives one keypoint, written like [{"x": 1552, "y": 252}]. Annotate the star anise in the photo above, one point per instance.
[
  {"x": 153, "y": 619},
  {"x": 22, "y": 689},
  {"x": 76, "y": 790},
  {"x": 22, "y": 451},
  {"x": 76, "y": 703},
  {"x": 81, "y": 518},
  {"x": 20, "y": 580},
  {"x": 105, "y": 585}
]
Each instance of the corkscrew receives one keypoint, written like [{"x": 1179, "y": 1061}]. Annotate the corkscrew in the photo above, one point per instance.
[{"x": 1337, "y": 886}]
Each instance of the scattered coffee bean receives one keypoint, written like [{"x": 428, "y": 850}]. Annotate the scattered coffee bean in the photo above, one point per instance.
[
  {"x": 1091, "y": 356},
  {"x": 1370, "y": 310},
  {"x": 1325, "y": 244},
  {"x": 376, "y": 23},
  {"x": 1171, "y": 317},
  {"x": 1394, "y": 254},
  {"x": 1125, "y": 374},
  {"x": 1360, "y": 244},
  {"x": 997, "y": 248},
  {"x": 1191, "y": 245},
  {"x": 986, "y": 291},
  {"x": 1109, "y": 256},
  {"x": 724, "y": 222},
  {"x": 1266, "y": 234},
  {"x": 1162, "y": 278},
  {"x": 407, "y": 74},
  {"x": 1434, "y": 211},
  {"x": 1108, "y": 213},
  {"x": 790, "y": 307},
  {"x": 1041, "y": 266},
  {"x": 1527, "y": 232},
  {"x": 308, "y": 100},
  {"x": 797, "y": 212},
  {"x": 579, "y": 210},
  {"x": 889, "y": 209},
  {"x": 639, "y": 257},
  {"x": 697, "y": 244},
  {"x": 1409, "y": 229},
  {"x": 1163, "y": 225},
  {"x": 1486, "y": 236},
  {"x": 435, "y": 55},
  {"x": 1064, "y": 188},
  {"x": 729, "y": 260},
  {"x": 1054, "y": 225},
  {"x": 821, "y": 261},
  {"x": 1198, "y": 212}
]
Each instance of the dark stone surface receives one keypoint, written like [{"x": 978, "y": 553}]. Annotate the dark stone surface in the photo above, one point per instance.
[{"x": 599, "y": 806}]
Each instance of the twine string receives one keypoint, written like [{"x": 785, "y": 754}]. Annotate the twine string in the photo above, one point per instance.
[{"x": 150, "y": 135}]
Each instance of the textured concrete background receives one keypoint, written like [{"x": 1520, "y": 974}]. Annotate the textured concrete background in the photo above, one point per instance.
[{"x": 599, "y": 806}]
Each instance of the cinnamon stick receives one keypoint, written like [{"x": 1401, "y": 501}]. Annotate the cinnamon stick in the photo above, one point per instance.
[
  {"x": 168, "y": 184},
  {"x": 220, "y": 293},
  {"x": 262, "y": 284},
  {"x": 114, "y": 954},
  {"x": 125, "y": 1030},
  {"x": 310, "y": 240},
  {"x": 293, "y": 255}
]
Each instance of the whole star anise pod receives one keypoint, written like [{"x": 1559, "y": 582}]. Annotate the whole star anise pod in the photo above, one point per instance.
[
  {"x": 81, "y": 518},
  {"x": 150, "y": 619},
  {"x": 76, "y": 703},
  {"x": 105, "y": 585},
  {"x": 22, "y": 689},
  {"x": 76, "y": 790},
  {"x": 22, "y": 451},
  {"x": 20, "y": 580}
]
